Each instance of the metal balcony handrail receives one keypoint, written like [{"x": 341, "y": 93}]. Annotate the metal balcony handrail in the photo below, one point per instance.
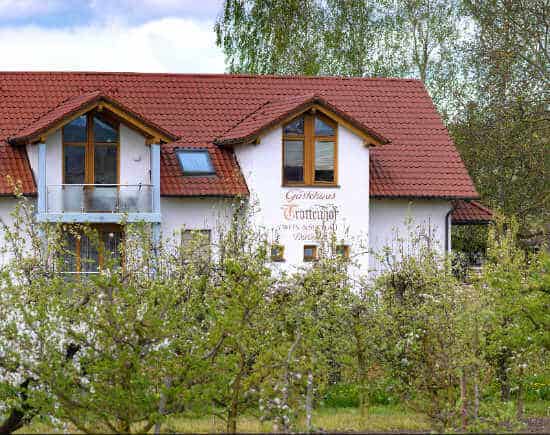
[
  {"x": 86, "y": 192},
  {"x": 103, "y": 185}
]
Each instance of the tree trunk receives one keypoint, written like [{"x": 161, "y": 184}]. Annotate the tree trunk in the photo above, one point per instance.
[
  {"x": 16, "y": 420},
  {"x": 162, "y": 405},
  {"x": 18, "y": 417},
  {"x": 476, "y": 395},
  {"x": 520, "y": 395},
  {"x": 309, "y": 401},
  {"x": 233, "y": 410},
  {"x": 361, "y": 363},
  {"x": 232, "y": 414},
  {"x": 503, "y": 377},
  {"x": 463, "y": 400}
]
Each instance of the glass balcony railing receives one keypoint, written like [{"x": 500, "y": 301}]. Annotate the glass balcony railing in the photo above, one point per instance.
[{"x": 99, "y": 198}]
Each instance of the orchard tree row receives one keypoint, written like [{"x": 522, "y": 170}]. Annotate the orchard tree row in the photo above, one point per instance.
[{"x": 172, "y": 330}]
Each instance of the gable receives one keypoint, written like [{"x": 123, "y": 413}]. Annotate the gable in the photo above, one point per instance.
[
  {"x": 63, "y": 114},
  {"x": 277, "y": 112}
]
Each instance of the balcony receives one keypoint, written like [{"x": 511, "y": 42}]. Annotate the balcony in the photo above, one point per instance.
[
  {"x": 100, "y": 203},
  {"x": 99, "y": 198}
]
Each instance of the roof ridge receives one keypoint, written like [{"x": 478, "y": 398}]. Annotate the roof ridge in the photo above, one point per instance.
[{"x": 209, "y": 75}]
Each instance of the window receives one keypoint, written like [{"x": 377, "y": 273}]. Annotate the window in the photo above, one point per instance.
[
  {"x": 310, "y": 252},
  {"x": 197, "y": 241},
  {"x": 342, "y": 251},
  {"x": 90, "y": 150},
  {"x": 195, "y": 162},
  {"x": 309, "y": 151},
  {"x": 87, "y": 254},
  {"x": 277, "y": 252}
]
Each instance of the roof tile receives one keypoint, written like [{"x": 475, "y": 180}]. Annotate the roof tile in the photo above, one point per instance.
[
  {"x": 470, "y": 212},
  {"x": 421, "y": 159}
]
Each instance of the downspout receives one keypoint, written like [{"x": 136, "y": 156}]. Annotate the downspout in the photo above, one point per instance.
[{"x": 448, "y": 227}]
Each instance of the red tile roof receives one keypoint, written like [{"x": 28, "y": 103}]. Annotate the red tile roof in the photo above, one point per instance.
[
  {"x": 273, "y": 112},
  {"x": 71, "y": 107},
  {"x": 420, "y": 161},
  {"x": 470, "y": 212}
]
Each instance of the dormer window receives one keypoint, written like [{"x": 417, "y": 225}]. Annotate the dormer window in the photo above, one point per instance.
[
  {"x": 90, "y": 150},
  {"x": 309, "y": 151},
  {"x": 195, "y": 162}
]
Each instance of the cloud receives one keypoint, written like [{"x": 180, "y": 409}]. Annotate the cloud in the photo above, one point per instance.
[{"x": 161, "y": 45}]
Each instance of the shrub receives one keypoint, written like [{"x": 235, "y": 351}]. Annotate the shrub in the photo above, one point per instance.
[{"x": 341, "y": 395}]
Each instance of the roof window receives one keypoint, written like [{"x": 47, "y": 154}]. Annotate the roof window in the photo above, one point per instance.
[{"x": 195, "y": 162}]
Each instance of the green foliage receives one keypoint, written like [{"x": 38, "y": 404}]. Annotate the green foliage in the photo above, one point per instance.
[
  {"x": 338, "y": 37},
  {"x": 517, "y": 300},
  {"x": 341, "y": 396},
  {"x": 171, "y": 333}
]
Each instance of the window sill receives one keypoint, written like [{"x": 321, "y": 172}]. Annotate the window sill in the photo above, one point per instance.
[{"x": 322, "y": 186}]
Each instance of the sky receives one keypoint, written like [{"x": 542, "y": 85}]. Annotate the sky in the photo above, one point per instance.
[{"x": 110, "y": 35}]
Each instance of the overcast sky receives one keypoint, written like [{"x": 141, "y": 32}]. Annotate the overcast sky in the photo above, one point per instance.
[{"x": 110, "y": 35}]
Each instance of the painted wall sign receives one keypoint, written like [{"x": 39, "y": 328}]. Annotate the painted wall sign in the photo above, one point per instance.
[{"x": 306, "y": 213}]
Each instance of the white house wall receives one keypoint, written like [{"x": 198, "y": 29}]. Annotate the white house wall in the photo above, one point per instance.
[
  {"x": 283, "y": 211},
  {"x": 194, "y": 214},
  {"x": 392, "y": 222},
  {"x": 7, "y": 206},
  {"x": 135, "y": 161}
]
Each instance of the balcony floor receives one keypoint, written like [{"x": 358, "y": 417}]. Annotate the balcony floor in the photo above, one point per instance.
[{"x": 99, "y": 217}]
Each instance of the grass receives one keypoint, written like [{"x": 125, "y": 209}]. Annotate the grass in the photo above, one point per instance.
[
  {"x": 390, "y": 418},
  {"x": 376, "y": 419}
]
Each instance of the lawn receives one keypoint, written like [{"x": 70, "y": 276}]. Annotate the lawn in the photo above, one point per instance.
[
  {"x": 394, "y": 418},
  {"x": 376, "y": 419}
]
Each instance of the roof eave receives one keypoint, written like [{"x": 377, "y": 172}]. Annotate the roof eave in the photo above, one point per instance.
[
  {"x": 297, "y": 110},
  {"x": 444, "y": 197},
  {"x": 98, "y": 100}
]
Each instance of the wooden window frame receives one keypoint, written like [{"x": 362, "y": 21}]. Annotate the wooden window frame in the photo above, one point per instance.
[
  {"x": 315, "y": 255},
  {"x": 309, "y": 138},
  {"x": 204, "y": 232},
  {"x": 277, "y": 258},
  {"x": 89, "y": 147},
  {"x": 100, "y": 228},
  {"x": 345, "y": 250}
]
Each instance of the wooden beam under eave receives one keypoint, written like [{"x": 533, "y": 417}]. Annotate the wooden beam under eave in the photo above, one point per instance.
[
  {"x": 368, "y": 140},
  {"x": 153, "y": 133},
  {"x": 154, "y": 141}
]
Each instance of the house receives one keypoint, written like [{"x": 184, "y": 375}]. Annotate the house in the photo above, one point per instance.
[{"x": 355, "y": 156}]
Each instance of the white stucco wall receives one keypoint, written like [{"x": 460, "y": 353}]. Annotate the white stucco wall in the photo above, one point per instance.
[
  {"x": 194, "y": 214},
  {"x": 135, "y": 160},
  {"x": 393, "y": 221},
  {"x": 7, "y": 207},
  {"x": 283, "y": 211}
]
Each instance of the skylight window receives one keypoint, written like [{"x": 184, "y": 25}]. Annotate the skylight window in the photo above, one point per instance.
[{"x": 195, "y": 162}]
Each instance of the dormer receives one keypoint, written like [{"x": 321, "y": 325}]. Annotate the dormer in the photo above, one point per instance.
[{"x": 96, "y": 160}]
